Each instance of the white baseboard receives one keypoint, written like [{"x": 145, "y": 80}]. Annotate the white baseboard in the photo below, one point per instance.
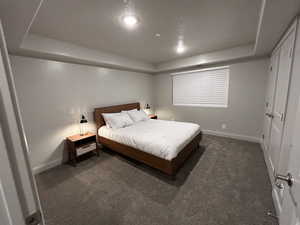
[
  {"x": 46, "y": 166},
  {"x": 232, "y": 135}
]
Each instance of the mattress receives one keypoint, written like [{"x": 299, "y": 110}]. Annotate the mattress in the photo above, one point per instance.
[{"x": 162, "y": 138}]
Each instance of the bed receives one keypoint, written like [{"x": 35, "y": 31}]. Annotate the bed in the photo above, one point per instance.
[{"x": 164, "y": 145}]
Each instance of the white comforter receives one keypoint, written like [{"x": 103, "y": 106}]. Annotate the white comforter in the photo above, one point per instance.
[{"x": 161, "y": 138}]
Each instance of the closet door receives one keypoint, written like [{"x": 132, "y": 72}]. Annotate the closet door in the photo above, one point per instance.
[
  {"x": 269, "y": 101},
  {"x": 280, "y": 102}
]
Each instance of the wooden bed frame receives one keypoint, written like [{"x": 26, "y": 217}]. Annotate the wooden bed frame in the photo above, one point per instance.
[{"x": 166, "y": 166}]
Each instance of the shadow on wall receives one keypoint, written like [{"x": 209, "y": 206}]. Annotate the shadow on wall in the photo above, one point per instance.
[{"x": 60, "y": 153}]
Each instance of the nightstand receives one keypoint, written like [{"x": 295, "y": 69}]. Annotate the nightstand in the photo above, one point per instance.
[
  {"x": 153, "y": 116},
  {"x": 79, "y": 145}
]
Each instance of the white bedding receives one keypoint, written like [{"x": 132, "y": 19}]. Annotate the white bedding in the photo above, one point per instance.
[{"x": 161, "y": 138}]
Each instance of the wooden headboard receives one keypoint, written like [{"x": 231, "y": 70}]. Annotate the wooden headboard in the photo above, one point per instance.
[{"x": 111, "y": 109}]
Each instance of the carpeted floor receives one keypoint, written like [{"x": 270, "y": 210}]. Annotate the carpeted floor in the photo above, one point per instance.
[{"x": 224, "y": 182}]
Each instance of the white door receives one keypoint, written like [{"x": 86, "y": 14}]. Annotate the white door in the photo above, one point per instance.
[
  {"x": 19, "y": 203},
  {"x": 269, "y": 101},
  {"x": 8, "y": 194},
  {"x": 290, "y": 214},
  {"x": 290, "y": 153},
  {"x": 280, "y": 101}
]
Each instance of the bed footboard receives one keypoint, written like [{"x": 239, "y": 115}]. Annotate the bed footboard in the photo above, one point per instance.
[{"x": 166, "y": 166}]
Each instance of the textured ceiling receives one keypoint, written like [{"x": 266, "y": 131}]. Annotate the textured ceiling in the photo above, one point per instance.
[{"x": 206, "y": 25}]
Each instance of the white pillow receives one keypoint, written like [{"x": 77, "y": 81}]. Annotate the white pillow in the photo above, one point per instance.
[
  {"x": 117, "y": 120},
  {"x": 127, "y": 111},
  {"x": 126, "y": 119},
  {"x": 137, "y": 115}
]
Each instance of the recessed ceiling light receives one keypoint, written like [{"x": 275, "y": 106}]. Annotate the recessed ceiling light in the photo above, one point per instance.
[
  {"x": 130, "y": 21},
  {"x": 180, "y": 48},
  {"x": 157, "y": 35}
]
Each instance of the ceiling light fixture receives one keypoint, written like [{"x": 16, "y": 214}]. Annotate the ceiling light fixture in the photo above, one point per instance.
[
  {"x": 180, "y": 47},
  {"x": 157, "y": 35},
  {"x": 130, "y": 21}
]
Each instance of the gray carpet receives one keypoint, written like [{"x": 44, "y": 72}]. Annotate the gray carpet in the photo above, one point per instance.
[{"x": 224, "y": 182}]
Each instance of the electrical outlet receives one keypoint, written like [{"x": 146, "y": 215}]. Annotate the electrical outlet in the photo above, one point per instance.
[{"x": 224, "y": 126}]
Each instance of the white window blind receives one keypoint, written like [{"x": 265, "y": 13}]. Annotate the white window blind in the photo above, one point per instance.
[{"x": 208, "y": 87}]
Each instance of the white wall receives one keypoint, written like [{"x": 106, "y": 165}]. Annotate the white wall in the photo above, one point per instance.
[
  {"x": 244, "y": 115},
  {"x": 53, "y": 94}
]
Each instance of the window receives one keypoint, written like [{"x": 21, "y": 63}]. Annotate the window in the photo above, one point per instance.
[{"x": 207, "y": 87}]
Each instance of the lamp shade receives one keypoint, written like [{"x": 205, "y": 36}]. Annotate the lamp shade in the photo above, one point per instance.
[{"x": 83, "y": 119}]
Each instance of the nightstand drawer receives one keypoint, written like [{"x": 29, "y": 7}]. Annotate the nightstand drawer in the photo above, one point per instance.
[{"x": 86, "y": 148}]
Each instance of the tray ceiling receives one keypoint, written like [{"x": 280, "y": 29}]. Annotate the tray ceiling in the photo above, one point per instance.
[{"x": 206, "y": 25}]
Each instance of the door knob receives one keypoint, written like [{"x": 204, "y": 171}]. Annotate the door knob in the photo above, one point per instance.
[
  {"x": 279, "y": 185},
  {"x": 269, "y": 115},
  {"x": 288, "y": 178}
]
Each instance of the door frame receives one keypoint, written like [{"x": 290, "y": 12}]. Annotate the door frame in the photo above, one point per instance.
[
  {"x": 271, "y": 70},
  {"x": 16, "y": 149},
  {"x": 266, "y": 149}
]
